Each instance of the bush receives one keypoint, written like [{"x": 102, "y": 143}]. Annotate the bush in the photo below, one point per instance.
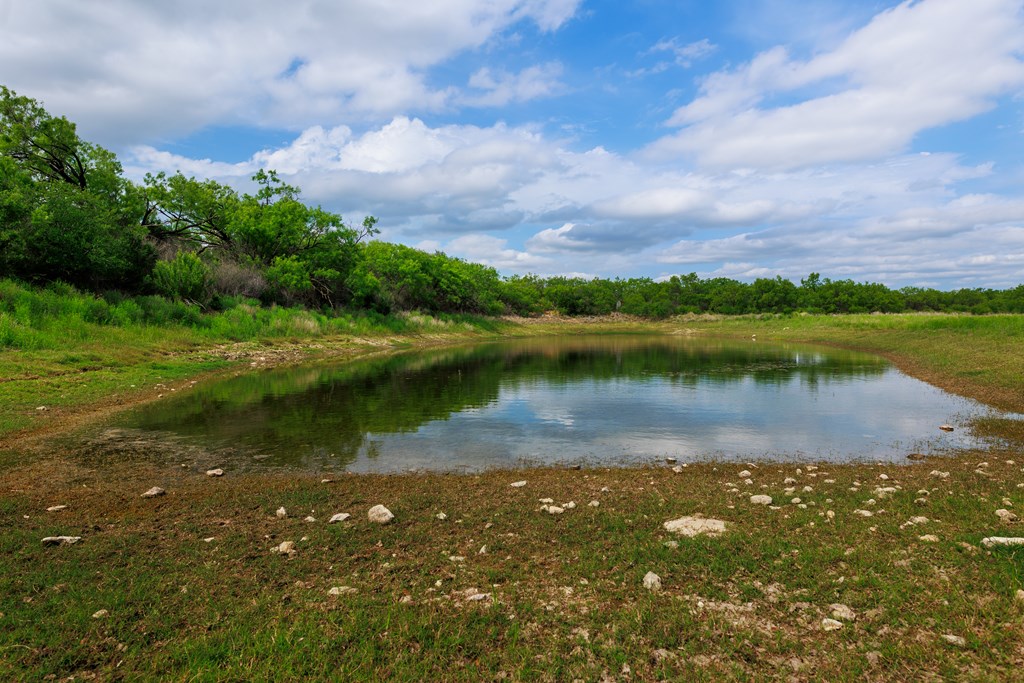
[{"x": 184, "y": 277}]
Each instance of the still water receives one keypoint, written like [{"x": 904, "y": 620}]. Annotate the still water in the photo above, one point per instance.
[{"x": 591, "y": 400}]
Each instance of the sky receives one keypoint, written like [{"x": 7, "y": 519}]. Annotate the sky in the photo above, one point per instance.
[{"x": 865, "y": 139}]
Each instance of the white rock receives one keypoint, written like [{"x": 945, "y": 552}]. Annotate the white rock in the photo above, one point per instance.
[
  {"x": 1006, "y": 515},
  {"x": 518, "y": 484},
  {"x": 929, "y": 538},
  {"x": 744, "y": 474},
  {"x": 215, "y": 473},
  {"x": 939, "y": 475},
  {"x": 342, "y": 590},
  {"x": 56, "y": 508},
  {"x": 546, "y": 501},
  {"x": 1019, "y": 595},
  {"x": 828, "y": 624},
  {"x": 796, "y": 501},
  {"x": 61, "y": 540},
  {"x": 677, "y": 469},
  {"x": 789, "y": 480},
  {"x": 441, "y": 516},
  {"x": 287, "y": 547},
  {"x": 605, "y": 489},
  {"x": 554, "y": 510},
  {"x": 340, "y": 517},
  {"x": 994, "y": 541},
  {"x": 456, "y": 558},
  {"x": 694, "y": 526},
  {"x": 652, "y": 582},
  {"x": 671, "y": 544},
  {"x": 883, "y": 477},
  {"x": 864, "y": 513},
  {"x": 841, "y": 611},
  {"x": 309, "y": 518},
  {"x": 482, "y": 551},
  {"x": 100, "y": 614},
  {"x": 761, "y": 499},
  {"x": 954, "y": 640},
  {"x": 478, "y": 597},
  {"x": 281, "y": 513},
  {"x": 209, "y": 539},
  {"x": 570, "y": 505},
  {"x": 379, "y": 514},
  {"x": 154, "y": 492},
  {"x": 594, "y": 503}
]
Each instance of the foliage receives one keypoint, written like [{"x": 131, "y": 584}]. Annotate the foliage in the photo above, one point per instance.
[{"x": 185, "y": 278}]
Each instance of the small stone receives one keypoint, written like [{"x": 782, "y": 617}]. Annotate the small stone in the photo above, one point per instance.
[
  {"x": 1019, "y": 595},
  {"x": 994, "y": 541},
  {"x": 478, "y": 597},
  {"x": 281, "y": 513},
  {"x": 1006, "y": 515},
  {"x": 789, "y": 480},
  {"x": 379, "y": 514},
  {"x": 671, "y": 544},
  {"x": 441, "y": 516},
  {"x": 61, "y": 540},
  {"x": 309, "y": 518},
  {"x": 828, "y": 624},
  {"x": 677, "y": 469},
  {"x": 761, "y": 499},
  {"x": 695, "y": 526},
  {"x": 571, "y": 505},
  {"x": 209, "y": 539},
  {"x": 406, "y": 600},
  {"x": 946, "y": 428},
  {"x": 340, "y": 517},
  {"x": 652, "y": 582},
  {"x": 671, "y": 461},
  {"x": 954, "y": 640},
  {"x": 939, "y": 475},
  {"x": 864, "y": 513},
  {"x": 929, "y": 538},
  {"x": 546, "y": 501},
  {"x": 456, "y": 558},
  {"x": 286, "y": 548},
  {"x": 482, "y": 551},
  {"x": 605, "y": 489},
  {"x": 745, "y": 474},
  {"x": 100, "y": 614},
  {"x": 554, "y": 510},
  {"x": 215, "y": 473},
  {"x": 841, "y": 611},
  {"x": 883, "y": 477},
  {"x": 518, "y": 484},
  {"x": 796, "y": 501},
  {"x": 154, "y": 492},
  {"x": 594, "y": 503},
  {"x": 56, "y": 508},
  {"x": 342, "y": 590}
]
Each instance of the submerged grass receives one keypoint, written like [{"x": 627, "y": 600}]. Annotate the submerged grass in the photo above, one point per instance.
[{"x": 563, "y": 597}]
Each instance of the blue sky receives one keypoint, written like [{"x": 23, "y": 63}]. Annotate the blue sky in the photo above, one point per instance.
[{"x": 871, "y": 140}]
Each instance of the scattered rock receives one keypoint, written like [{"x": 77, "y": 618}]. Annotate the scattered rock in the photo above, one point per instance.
[
  {"x": 441, "y": 516},
  {"x": 571, "y": 505},
  {"x": 342, "y": 590},
  {"x": 215, "y": 473},
  {"x": 99, "y": 614},
  {"x": 677, "y": 469},
  {"x": 478, "y": 597},
  {"x": 745, "y": 474},
  {"x": 281, "y": 513},
  {"x": 56, "y": 508},
  {"x": 954, "y": 640},
  {"x": 914, "y": 521},
  {"x": 554, "y": 509},
  {"x": 594, "y": 503},
  {"x": 546, "y": 501},
  {"x": 652, "y": 582},
  {"x": 286, "y": 548},
  {"x": 1019, "y": 595},
  {"x": 864, "y": 513},
  {"x": 154, "y": 492},
  {"x": 310, "y": 518},
  {"x": 671, "y": 544},
  {"x": 828, "y": 624},
  {"x": 61, "y": 540},
  {"x": 456, "y": 558},
  {"x": 210, "y": 539},
  {"x": 994, "y": 541},
  {"x": 939, "y": 475},
  {"x": 1006, "y": 515},
  {"x": 841, "y": 611},
  {"x": 671, "y": 461},
  {"x": 761, "y": 499},
  {"x": 518, "y": 484},
  {"x": 946, "y": 428},
  {"x": 379, "y": 514},
  {"x": 340, "y": 517},
  {"x": 694, "y": 526},
  {"x": 929, "y": 538}
]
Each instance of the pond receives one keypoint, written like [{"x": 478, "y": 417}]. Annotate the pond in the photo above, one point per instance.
[{"x": 590, "y": 400}]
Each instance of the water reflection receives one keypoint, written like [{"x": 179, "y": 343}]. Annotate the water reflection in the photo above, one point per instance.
[{"x": 598, "y": 399}]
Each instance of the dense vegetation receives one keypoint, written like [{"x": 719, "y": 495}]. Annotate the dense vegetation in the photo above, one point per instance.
[{"x": 69, "y": 217}]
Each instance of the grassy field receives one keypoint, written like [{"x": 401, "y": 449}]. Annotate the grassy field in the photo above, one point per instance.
[{"x": 187, "y": 586}]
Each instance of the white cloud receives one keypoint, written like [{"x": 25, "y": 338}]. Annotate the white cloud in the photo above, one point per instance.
[
  {"x": 685, "y": 54},
  {"x": 916, "y": 66},
  {"x": 126, "y": 70},
  {"x": 501, "y": 88}
]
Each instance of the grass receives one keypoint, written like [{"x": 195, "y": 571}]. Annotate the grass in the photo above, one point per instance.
[{"x": 565, "y": 598}]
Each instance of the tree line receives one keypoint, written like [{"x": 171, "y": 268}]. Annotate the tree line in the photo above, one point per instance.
[{"x": 69, "y": 215}]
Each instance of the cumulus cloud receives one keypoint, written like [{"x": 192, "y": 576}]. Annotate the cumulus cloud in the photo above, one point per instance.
[
  {"x": 129, "y": 70},
  {"x": 913, "y": 67}
]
